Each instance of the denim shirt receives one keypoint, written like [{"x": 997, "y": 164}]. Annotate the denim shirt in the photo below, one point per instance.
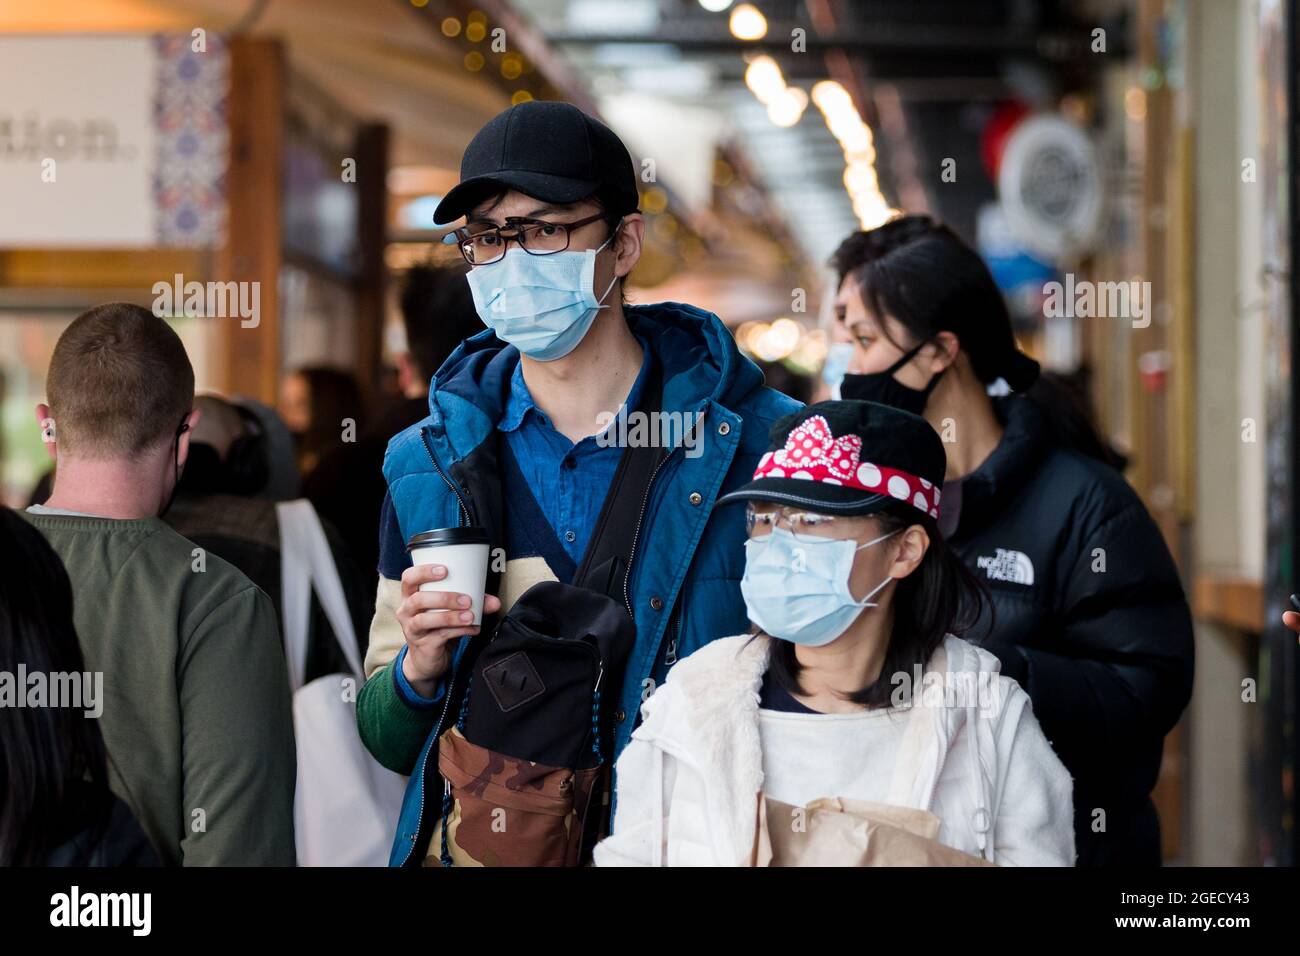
[{"x": 569, "y": 481}]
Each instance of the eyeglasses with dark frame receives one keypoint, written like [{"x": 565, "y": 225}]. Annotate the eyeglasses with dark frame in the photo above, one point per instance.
[{"x": 484, "y": 243}]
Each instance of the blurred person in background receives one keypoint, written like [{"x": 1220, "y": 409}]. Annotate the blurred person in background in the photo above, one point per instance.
[
  {"x": 776, "y": 375},
  {"x": 282, "y": 478},
  {"x": 315, "y": 402},
  {"x": 347, "y": 486},
  {"x": 1089, "y": 613},
  {"x": 197, "y": 719},
  {"x": 839, "y": 358},
  {"x": 56, "y": 807},
  {"x": 221, "y": 505}
]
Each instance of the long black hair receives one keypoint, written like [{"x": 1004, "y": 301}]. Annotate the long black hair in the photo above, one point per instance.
[
  {"x": 940, "y": 597},
  {"x": 918, "y": 271},
  {"x": 53, "y": 768}
]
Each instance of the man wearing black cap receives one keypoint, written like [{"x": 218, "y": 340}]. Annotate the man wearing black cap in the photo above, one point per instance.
[{"x": 516, "y": 440}]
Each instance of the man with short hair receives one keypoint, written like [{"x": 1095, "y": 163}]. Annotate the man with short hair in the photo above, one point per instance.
[
  {"x": 197, "y": 720},
  {"x": 522, "y": 437}
]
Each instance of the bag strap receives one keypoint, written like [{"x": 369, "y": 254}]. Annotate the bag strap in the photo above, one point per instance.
[
  {"x": 609, "y": 553},
  {"x": 306, "y": 563}
]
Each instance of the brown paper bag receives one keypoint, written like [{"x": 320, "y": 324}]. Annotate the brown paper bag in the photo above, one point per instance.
[{"x": 837, "y": 832}]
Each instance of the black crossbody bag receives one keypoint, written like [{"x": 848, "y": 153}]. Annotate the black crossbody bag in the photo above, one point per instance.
[{"x": 527, "y": 765}]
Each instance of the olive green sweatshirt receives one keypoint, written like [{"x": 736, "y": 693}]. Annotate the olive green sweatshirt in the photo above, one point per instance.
[{"x": 197, "y": 717}]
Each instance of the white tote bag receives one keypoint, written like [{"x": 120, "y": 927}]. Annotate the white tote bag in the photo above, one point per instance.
[{"x": 346, "y": 806}]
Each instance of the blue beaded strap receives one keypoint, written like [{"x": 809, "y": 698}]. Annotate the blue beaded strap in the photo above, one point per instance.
[
  {"x": 446, "y": 816},
  {"x": 595, "y": 717},
  {"x": 464, "y": 709},
  {"x": 595, "y": 726}
]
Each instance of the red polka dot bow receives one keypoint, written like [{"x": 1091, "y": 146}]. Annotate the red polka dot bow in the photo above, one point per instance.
[{"x": 812, "y": 453}]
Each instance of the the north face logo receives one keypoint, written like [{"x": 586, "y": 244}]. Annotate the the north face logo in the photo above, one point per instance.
[{"x": 1013, "y": 566}]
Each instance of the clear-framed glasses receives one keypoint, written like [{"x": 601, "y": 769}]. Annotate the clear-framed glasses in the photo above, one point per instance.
[
  {"x": 761, "y": 518},
  {"x": 483, "y": 243}
]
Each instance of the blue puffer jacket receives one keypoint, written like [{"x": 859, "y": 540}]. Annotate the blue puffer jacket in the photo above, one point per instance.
[{"x": 686, "y": 568}]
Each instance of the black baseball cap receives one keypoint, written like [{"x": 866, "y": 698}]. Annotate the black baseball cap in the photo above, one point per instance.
[
  {"x": 849, "y": 458},
  {"x": 548, "y": 150}
]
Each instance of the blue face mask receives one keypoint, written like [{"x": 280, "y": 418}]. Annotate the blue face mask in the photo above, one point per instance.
[
  {"x": 542, "y": 305},
  {"x": 798, "y": 590},
  {"x": 838, "y": 357}
]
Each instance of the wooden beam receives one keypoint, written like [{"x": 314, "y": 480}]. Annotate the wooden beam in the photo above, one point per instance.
[
  {"x": 72, "y": 269},
  {"x": 371, "y": 153},
  {"x": 248, "y": 362},
  {"x": 1234, "y": 602}
]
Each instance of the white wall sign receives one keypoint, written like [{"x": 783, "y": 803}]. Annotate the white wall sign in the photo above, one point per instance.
[{"x": 113, "y": 141}]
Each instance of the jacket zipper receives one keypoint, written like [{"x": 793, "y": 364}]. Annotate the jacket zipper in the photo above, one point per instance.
[
  {"x": 464, "y": 508},
  {"x": 451, "y": 681},
  {"x": 424, "y": 772}
]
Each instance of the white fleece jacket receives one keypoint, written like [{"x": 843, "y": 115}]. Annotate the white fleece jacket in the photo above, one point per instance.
[{"x": 688, "y": 782}]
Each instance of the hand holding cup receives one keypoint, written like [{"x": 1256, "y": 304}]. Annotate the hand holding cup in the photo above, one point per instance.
[{"x": 442, "y": 600}]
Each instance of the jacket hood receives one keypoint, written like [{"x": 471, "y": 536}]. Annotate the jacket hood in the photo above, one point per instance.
[
  {"x": 715, "y": 725},
  {"x": 696, "y": 352},
  {"x": 1022, "y": 449},
  {"x": 727, "y": 675}
]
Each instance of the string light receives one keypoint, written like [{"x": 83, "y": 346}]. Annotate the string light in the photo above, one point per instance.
[
  {"x": 858, "y": 143},
  {"x": 747, "y": 23},
  {"x": 785, "y": 104},
  {"x": 764, "y": 79},
  {"x": 788, "y": 107}
]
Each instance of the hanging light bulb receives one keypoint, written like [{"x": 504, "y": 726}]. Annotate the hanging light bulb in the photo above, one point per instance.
[
  {"x": 764, "y": 79},
  {"x": 747, "y": 23},
  {"x": 787, "y": 108}
]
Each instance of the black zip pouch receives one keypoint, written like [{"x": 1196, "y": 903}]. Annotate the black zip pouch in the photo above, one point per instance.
[{"x": 536, "y": 687}]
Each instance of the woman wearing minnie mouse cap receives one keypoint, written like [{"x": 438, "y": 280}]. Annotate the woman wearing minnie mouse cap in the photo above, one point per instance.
[{"x": 852, "y": 684}]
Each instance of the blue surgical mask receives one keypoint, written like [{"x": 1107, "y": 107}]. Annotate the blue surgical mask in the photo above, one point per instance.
[
  {"x": 838, "y": 357},
  {"x": 798, "y": 590},
  {"x": 542, "y": 305}
]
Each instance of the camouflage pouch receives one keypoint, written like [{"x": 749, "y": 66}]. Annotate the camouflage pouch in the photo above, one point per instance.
[{"x": 503, "y": 811}]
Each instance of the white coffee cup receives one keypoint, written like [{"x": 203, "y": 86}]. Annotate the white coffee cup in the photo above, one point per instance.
[{"x": 464, "y": 553}]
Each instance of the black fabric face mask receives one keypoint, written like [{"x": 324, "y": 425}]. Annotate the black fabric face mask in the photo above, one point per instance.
[{"x": 883, "y": 388}]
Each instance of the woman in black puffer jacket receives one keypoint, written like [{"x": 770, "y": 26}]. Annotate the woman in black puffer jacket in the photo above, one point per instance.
[{"x": 1088, "y": 613}]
